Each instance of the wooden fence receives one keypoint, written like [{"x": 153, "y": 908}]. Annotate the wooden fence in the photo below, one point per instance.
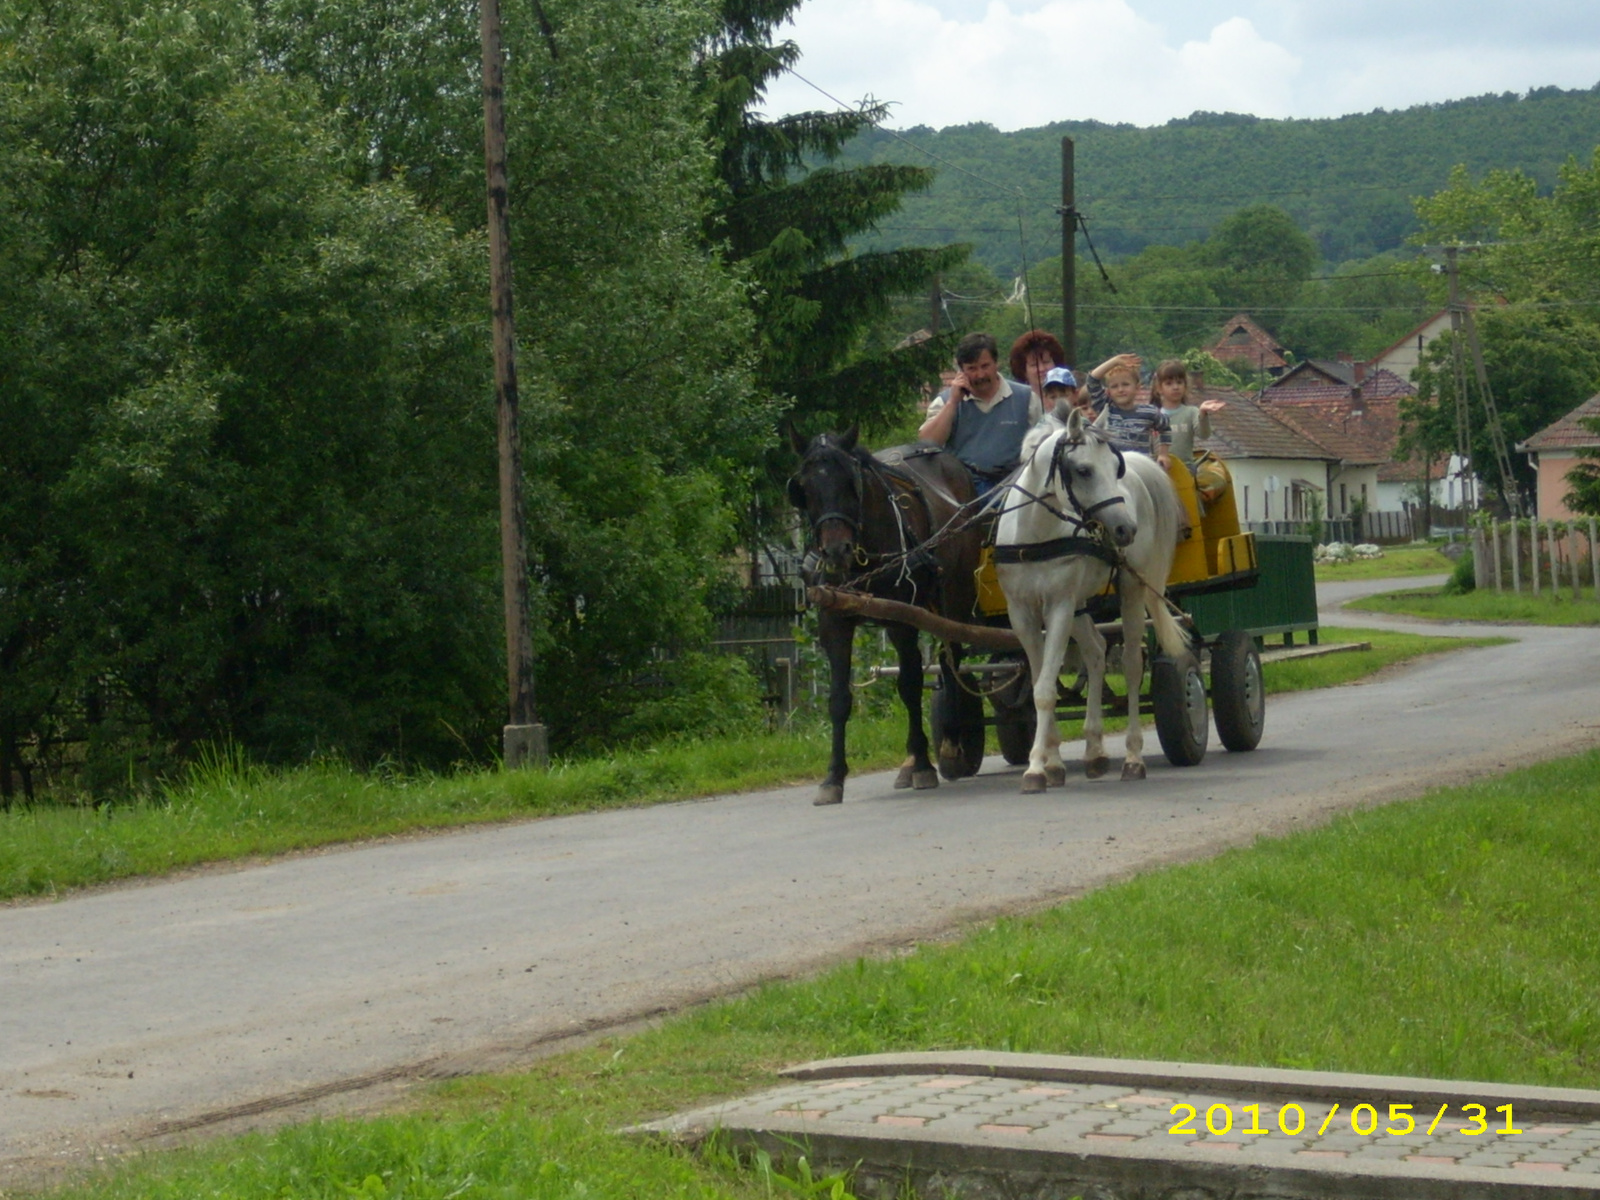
[{"x": 1537, "y": 556}]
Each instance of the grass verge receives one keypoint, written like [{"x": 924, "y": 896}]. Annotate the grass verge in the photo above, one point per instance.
[
  {"x": 1455, "y": 936},
  {"x": 1397, "y": 561},
  {"x": 225, "y": 809},
  {"x": 1505, "y": 608}
]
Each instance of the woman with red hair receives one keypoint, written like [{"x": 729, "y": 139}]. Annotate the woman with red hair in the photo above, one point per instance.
[{"x": 1033, "y": 354}]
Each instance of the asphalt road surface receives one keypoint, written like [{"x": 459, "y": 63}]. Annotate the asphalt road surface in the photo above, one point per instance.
[{"x": 135, "y": 1014}]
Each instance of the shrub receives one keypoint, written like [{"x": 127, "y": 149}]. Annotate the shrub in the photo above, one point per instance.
[{"x": 1461, "y": 579}]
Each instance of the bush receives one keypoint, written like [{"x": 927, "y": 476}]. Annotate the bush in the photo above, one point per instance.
[
  {"x": 1462, "y": 580},
  {"x": 695, "y": 695}
]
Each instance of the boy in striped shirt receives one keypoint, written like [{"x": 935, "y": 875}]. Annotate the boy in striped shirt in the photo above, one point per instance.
[{"x": 1132, "y": 425}]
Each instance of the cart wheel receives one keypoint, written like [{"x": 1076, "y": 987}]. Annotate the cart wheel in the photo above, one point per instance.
[
  {"x": 1178, "y": 695},
  {"x": 1238, "y": 699},
  {"x": 1015, "y": 718}
]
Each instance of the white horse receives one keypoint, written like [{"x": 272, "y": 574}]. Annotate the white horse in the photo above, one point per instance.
[{"x": 1080, "y": 511}]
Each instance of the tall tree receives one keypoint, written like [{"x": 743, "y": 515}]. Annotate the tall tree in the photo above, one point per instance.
[{"x": 788, "y": 221}]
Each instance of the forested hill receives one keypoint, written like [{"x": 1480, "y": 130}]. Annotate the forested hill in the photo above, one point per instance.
[{"x": 1348, "y": 181}]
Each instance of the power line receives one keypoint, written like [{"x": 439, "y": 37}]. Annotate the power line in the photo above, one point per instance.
[
  {"x": 892, "y": 133},
  {"x": 1331, "y": 190}
]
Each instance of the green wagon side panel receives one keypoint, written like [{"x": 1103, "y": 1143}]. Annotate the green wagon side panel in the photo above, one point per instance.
[{"x": 1284, "y": 598}]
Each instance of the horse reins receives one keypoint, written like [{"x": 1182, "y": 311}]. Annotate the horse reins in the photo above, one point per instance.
[{"x": 1075, "y": 544}]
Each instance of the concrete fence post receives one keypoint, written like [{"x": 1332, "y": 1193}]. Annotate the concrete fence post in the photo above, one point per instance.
[
  {"x": 785, "y": 673},
  {"x": 1594, "y": 559},
  {"x": 1533, "y": 548},
  {"x": 1572, "y": 557},
  {"x": 1494, "y": 537},
  {"x": 1516, "y": 558}
]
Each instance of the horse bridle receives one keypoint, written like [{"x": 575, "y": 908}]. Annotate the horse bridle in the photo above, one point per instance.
[
  {"x": 797, "y": 490},
  {"x": 1065, "y": 446}
]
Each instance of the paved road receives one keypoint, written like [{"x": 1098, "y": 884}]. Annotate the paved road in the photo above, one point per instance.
[{"x": 143, "y": 1009}]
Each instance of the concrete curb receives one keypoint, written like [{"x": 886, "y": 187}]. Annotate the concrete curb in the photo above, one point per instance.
[{"x": 1252, "y": 1082}]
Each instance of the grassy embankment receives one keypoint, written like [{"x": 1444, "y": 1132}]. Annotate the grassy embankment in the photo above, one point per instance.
[
  {"x": 1486, "y": 604},
  {"x": 1453, "y": 936},
  {"x": 229, "y": 810},
  {"x": 1397, "y": 562}
]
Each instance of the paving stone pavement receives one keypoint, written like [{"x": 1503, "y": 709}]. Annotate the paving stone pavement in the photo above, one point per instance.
[{"x": 1036, "y": 1125}]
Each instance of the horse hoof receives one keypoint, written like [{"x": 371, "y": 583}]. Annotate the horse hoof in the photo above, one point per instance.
[
  {"x": 905, "y": 778},
  {"x": 830, "y": 793},
  {"x": 1055, "y": 775},
  {"x": 923, "y": 780},
  {"x": 1132, "y": 770},
  {"x": 1032, "y": 785},
  {"x": 1094, "y": 768},
  {"x": 951, "y": 765}
]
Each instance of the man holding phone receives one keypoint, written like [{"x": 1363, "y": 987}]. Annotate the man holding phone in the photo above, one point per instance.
[{"x": 982, "y": 416}]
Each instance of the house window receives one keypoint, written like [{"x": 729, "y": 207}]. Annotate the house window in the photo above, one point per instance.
[
  {"x": 1247, "y": 502},
  {"x": 1363, "y": 495},
  {"x": 1344, "y": 503}
]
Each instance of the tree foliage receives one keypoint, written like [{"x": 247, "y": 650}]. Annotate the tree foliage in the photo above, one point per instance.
[
  {"x": 1348, "y": 182},
  {"x": 1532, "y": 262},
  {"x": 247, "y": 486},
  {"x": 789, "y": 218},
  {"x": 1584, "y": 478}
]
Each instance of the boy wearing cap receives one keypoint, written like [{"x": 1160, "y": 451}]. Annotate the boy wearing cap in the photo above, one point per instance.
[{"x": 1060, "y": 391}]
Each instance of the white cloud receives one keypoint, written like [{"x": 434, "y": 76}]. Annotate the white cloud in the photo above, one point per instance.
[
  {"x": 1017, "y": 63},
  {"x": 1062, "y": 60}
]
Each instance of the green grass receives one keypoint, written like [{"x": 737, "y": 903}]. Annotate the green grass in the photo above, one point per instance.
[
  {"x": 1485, "y": 604},
  {"x": 1455, "y": 936},
  {"x": 225, "y": 809},
  {"x": 1397, "y": 561}
]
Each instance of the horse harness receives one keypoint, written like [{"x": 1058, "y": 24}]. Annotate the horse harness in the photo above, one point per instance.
[
  {"x": 902, "y": 490},
  {"x": 1074, "y": 545}
]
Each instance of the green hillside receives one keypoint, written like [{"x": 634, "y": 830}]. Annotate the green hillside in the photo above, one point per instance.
[{"x": 1348, "y": 181}]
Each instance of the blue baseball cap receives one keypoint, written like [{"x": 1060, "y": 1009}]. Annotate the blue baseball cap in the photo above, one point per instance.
[{"x": 1061, "y": 377}]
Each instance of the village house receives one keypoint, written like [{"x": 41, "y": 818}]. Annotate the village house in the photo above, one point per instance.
[
  {"x": 1247, "y": 348},
  {"x": 1554, "y": 452},
  {"x": 1276, "y": 469},
  {"x": 1352, "y": 410},
  {"x": 1405, "y": 355}
]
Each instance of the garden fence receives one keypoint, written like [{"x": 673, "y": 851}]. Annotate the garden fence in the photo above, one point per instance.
[{"x": 1537, "y": 556}]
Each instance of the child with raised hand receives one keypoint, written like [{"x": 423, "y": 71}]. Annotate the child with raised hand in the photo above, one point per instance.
[
  {"x": 1170, "y": 388},
  {"x": 1131, "y": 424}
]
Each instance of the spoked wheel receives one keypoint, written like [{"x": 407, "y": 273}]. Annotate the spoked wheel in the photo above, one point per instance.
[
  {"x": 1178, "y": 695},
  {"x": 1238, "y": 698},
  {"x": 1015, "y": 718}
]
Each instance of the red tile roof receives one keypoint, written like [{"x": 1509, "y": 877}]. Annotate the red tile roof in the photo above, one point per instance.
[
  {"x": 1566, "y": 433},
  {"x": 1246, "y": 429},
  {"x": 1293, "y": 388},
  {"x": 1243, "y": 340}
]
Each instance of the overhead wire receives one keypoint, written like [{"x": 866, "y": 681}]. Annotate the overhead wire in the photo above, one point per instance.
[{"x": 1018, "y": 193}]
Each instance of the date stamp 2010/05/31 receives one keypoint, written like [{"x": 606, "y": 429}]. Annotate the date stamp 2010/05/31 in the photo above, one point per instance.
[{"x": 1363, "y": 1120}]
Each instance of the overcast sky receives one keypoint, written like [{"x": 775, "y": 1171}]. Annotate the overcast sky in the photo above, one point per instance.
[{"x": 1019, "y": 63}]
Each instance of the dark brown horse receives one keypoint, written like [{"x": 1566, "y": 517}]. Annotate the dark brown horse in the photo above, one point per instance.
[{"x": 892, "y": 525}]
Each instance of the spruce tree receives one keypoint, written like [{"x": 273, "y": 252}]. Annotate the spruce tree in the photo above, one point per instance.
[{"x": 789, "y": 220}]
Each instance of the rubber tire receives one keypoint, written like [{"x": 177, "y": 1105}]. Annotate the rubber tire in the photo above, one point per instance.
[
  {"x": 1238, "y": 696},
  {"x": 1176, "y": 688},
  {"x": 1015, "y": 718}
]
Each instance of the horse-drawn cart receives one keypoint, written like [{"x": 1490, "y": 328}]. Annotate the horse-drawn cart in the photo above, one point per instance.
[{"x": 1235, "y": 588}]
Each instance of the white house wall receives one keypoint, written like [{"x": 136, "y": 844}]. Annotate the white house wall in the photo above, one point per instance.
[{"x": 1250, "y": 478}]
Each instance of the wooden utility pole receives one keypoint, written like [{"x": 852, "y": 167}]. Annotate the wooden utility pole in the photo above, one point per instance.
[
  {"x": 1461, "y": 321},
  {"x": 1459, "y": 375},
  {"x": 523, "y": 741},
  {"x": 1069, "y": 247}
]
